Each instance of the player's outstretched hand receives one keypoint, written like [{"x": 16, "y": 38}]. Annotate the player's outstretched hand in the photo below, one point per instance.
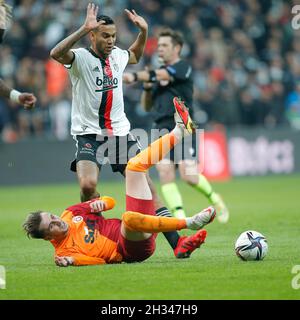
[
  {"x": 139, "y": 21},
  {"x": 64, "y": 261},
  {"x": 91, "y": 22},
  {"x": 28, "y": 100}
]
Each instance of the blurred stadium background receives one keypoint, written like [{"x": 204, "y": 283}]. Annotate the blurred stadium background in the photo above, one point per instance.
[{"x": 246, "y": 62}]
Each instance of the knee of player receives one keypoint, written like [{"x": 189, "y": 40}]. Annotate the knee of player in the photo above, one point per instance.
[
  {"x": 128, "y": 169},
  {"x": 134, "y": 165},
  {"x": 166, "y": 175},
  {"x": 189, "y": 172},
  {"x": 125, "y": 217},
  {"x": 88, "y": 185},
  {"x": 185, "y": 177},
  {"x": 128, "y": 218}
]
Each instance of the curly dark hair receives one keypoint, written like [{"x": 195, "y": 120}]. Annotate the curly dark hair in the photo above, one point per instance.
[{"x": 107, "y": 20}]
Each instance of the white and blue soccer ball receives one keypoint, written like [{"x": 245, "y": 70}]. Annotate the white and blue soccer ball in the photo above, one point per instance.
[{"x": 251, "y": 245}]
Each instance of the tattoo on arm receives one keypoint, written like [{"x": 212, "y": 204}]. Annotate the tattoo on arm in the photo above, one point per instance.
[
  {"x": 138, "y": 47},
  {"x": 64, "y": 46},
  {"x": 61, "y": 50}
]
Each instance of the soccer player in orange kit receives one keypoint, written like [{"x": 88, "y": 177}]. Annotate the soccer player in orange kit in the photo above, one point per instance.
[{"x": 83, "y": 237}]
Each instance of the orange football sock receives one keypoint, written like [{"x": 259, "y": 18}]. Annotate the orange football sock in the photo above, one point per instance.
[
  {"x": 153, "y": 153},
  {"x": 135, "y": 221}
]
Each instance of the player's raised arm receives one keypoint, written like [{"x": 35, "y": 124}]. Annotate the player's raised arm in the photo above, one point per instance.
[
  {"x": 137, "y": 48},
  {"x": 62, "y": 51},
  {"x": 93, "y": 206},
  {"x": 102, "y": 204}
]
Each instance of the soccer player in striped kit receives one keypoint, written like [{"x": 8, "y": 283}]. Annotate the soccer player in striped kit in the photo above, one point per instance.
[
  {"x": 99, "y": 124},
  {"x": 98, "y": 104}
]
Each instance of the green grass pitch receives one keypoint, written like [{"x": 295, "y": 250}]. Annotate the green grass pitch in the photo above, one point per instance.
[{"x": 269, "y": 205}]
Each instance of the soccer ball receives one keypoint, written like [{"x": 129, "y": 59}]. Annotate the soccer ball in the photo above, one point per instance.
[{"x": 251, "y": 245}]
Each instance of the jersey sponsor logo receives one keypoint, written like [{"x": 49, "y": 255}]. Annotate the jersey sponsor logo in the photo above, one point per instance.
[
  {"x": 77, "y": 219},
  {"x": 89, "y": 231},
  {"x": 106, "y": 83}
]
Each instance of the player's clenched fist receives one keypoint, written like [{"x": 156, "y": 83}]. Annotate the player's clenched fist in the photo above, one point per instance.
[
  {"x": 63, "y": 261},
  {"x": 97, "y": 206},
  {"x": 28, "y": 100}
]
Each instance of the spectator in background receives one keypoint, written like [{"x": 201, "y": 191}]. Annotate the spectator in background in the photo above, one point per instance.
[
  {"x": 247, "y": 32},
  {"x": 26, "y": 99},
  {"x": 293, "y": 107},
  {"x": 60, "y": 115}
]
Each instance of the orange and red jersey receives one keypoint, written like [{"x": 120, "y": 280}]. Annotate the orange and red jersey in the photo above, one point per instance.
[{"x": 91, "y": 239}]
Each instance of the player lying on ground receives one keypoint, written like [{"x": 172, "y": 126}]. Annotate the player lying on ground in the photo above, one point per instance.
[{"x": 81, "y": 237}]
